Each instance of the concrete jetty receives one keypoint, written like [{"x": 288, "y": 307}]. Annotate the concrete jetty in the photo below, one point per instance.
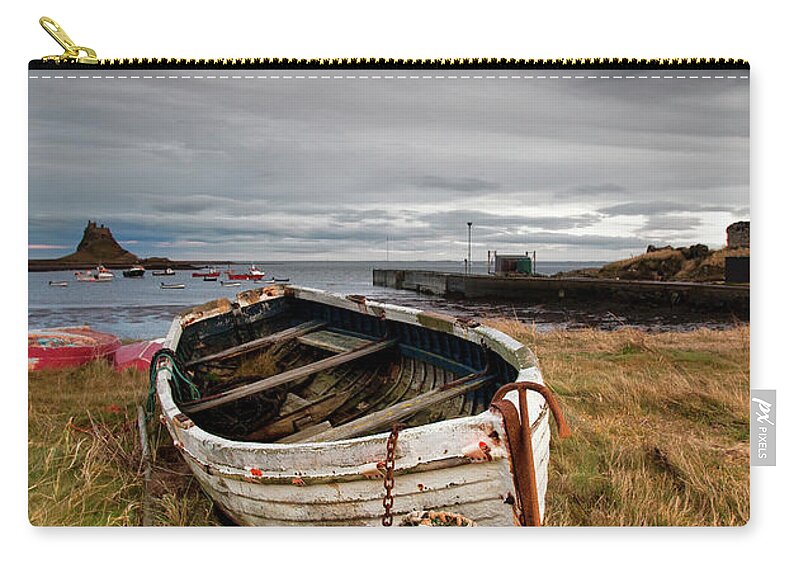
[{"x": 697, "y": 297}]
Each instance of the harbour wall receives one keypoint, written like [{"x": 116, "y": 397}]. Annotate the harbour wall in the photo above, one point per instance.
[{"x": 697, "y": 297}]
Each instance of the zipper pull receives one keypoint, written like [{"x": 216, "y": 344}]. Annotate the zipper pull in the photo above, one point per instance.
[{"x": 72, "y": 52}]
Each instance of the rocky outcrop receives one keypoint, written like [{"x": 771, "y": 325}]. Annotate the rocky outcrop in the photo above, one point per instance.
[
  {"x": 99, "y": 246},
  {"x": 692, "y": 263}
]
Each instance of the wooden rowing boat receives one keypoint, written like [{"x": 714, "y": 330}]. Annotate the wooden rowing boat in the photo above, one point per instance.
[{"x": 305, "y": 442}]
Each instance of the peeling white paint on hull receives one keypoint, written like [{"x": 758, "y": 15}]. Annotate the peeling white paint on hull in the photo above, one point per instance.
[{"x": 323, "y": 484}]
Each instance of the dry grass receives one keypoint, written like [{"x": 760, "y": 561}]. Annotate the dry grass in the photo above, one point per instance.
[
  {"x": 660, "y": 423},
  {"x": 84, "y": 457},
  {"x": 669, "y": 264}
]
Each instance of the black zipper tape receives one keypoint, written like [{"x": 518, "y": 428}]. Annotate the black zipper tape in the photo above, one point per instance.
[{"x": 381, "y": 63}]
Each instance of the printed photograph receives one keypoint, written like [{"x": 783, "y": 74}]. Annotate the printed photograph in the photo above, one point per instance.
[{"x": 336, "y": 295}]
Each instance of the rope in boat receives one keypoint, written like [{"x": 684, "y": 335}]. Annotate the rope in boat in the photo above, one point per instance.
[
  {"x": 518, "y": 433},
  {"x": 183, "y": 380}
]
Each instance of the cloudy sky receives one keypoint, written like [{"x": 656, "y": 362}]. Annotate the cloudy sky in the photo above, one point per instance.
[{"x": 312, "y": 168}]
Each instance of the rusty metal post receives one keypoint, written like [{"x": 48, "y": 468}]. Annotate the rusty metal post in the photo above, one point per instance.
[{"x": 527, "y": 446}]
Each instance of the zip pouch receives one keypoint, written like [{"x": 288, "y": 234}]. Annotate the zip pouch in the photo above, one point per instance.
[{"x": 381, "y": 292}]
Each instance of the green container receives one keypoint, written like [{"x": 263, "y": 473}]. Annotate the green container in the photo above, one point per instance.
[{"x": 524, "y": 266}]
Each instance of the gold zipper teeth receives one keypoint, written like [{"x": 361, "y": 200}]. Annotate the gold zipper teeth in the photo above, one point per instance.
[
  {"x": 75, "y": 55},
  {"x": 454, "y": 63}
]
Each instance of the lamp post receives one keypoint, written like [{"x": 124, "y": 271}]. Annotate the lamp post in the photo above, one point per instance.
[{"x": 469, "y": 247}]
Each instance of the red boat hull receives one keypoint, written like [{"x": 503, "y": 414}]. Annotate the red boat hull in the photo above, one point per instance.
[
  {"x": 209, "y": 274},
  {"x": 68, "y": 347},
  {"x": 137, "y": 355},
  {"x": 244, "y": 277}
]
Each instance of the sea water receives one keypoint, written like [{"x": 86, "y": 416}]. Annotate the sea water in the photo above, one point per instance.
[{"x": 137, "y": 308}]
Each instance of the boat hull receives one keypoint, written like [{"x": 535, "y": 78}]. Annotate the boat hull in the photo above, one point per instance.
[
  {"x": 68, "y": 347},
  {"x": 136, "y": 355},
  {"x": 328, "y": 483}
]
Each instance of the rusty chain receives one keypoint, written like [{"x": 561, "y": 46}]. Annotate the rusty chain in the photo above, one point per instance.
[{"x": 388, "y": 476}]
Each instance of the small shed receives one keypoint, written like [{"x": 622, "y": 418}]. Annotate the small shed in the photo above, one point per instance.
[{"x": 512, "y": 265}]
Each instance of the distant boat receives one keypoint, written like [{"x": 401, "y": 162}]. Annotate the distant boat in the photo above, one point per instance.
[
  {"x": 58, "y": 283},
  {"x": 101, "y": 274},
  {"x": 135, "y": 271},
  {"x": 281, "y": 279},
  {"x": 253, "y": 274},
  {"x": 167, "y": 271},
  {"x": 210, "y": 277},
  {"x": 172, "y": 285},
  {"x": 230, "y": 284},
  {"x": 210, "y": 272}
]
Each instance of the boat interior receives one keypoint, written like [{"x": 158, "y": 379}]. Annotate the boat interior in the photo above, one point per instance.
[{"x": 292, "y": 370}]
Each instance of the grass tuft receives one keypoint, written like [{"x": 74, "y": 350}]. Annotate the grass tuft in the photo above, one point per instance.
[
  {"x": 84, "y": 459},
  {"x": 660, "y": 425},
  {"x": 660, "y": 435}
]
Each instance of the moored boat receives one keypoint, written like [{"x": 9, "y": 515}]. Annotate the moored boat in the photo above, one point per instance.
[
  {"x": 210, "y": 277},
  {"x": 253, "y": 274},
  {"x": 58, "y": 284},
  {"x": 163, "y": 272},
  {"x": 230, "y": 283},
  {"x": 100, "y": 274},
  {"x": 208, "y": 272},
  {"x": 103, "y": 274},
  {"x": 135, "y": 271},
  {"x": 172, "y": 285},
  {"x": 284, "y": 403},
  {"x": 68, "y": 347}
]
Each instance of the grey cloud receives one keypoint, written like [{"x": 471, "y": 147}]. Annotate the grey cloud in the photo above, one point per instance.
[
  {"x": 671, "y": 224},
  {"x": 653, "y": 208},
  {"x": 591, "y": 190},
  {"x": 456, "y": 183},
  {"x": 283, "y": 169},
  {"x": 497, "y": 222}
]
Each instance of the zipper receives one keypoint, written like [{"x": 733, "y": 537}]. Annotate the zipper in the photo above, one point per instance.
[{"x": 79, "y": 57}]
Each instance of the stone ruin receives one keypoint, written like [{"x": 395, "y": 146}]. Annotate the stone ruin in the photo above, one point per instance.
[{"x": 739, "y": 234}]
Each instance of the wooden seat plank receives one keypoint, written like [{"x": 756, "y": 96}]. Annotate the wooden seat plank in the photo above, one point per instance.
[
  {"x": 239, "y": 392},
  {"x": 280, "y": 336},
  {"x": 333, "y": 341}
]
